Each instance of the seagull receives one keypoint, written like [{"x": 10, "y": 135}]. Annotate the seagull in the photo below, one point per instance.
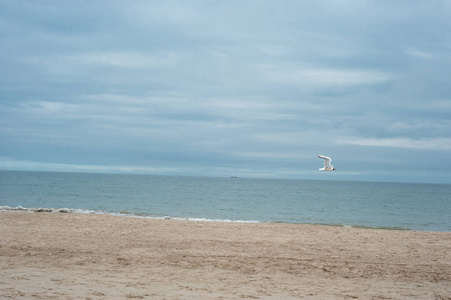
[{"x": 327, "y": 165}]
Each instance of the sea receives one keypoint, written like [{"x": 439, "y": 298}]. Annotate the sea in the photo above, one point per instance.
[{"x": 391, "y": 206}]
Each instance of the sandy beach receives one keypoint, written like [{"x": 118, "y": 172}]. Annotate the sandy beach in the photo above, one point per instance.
[{"x": 88, "y": 256}]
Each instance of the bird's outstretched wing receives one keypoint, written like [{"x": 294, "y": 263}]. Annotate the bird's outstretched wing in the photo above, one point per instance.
[{"x": 327, "y": 160}]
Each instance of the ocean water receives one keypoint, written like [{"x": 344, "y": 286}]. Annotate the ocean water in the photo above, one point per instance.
[{"x": 424, "y": 207}]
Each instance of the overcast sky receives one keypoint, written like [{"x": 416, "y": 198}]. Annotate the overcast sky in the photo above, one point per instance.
[{"x": 228, "y": 88}]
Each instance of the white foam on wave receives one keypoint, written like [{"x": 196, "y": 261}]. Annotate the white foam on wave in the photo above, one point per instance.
[
  {"x": 123, "y": 213},
  {"x": 49, "y": 210},
  {"x": 206, "y": 220},
  {"x": 130, "y": 214}
]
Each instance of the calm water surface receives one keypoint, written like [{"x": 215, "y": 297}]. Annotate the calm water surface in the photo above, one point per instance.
[{"x": 366, "y": 204}]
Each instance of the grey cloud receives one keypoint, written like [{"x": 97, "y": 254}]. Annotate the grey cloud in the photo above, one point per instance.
[{"x": 211, "y": 87}]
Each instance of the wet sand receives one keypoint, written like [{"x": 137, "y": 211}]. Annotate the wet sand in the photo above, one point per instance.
[{"x": 87, "y": 256}]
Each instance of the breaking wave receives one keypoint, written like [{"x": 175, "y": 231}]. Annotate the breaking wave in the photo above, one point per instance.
[
  {"x": 140, "y": 215},
  {"x": 121, "y": 213}
]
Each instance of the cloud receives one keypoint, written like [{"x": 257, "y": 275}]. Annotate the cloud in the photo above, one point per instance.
[
  {"x": 321, "y": 77},
  {"x": 435, "y": 144},
  {"x": 420, "y": 54},
  {"x": 123, "y": 59},
  {"x": 259, "y": 88},
  {"x": 11, "y": 164}
]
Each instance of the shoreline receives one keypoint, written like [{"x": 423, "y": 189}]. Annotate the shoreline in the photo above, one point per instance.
[
  {"x": 90, "y": 256},
  {"x": 194, "y": 219}
]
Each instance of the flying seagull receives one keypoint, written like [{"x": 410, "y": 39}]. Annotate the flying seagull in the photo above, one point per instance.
[{"x": 327, "y": 165}]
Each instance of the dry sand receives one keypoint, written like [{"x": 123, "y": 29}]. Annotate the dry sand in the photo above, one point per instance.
[{"x": 76, "y": 256}]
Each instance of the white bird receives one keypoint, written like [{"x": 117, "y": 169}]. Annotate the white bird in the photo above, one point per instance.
[{"x": 327, "y": 165}]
